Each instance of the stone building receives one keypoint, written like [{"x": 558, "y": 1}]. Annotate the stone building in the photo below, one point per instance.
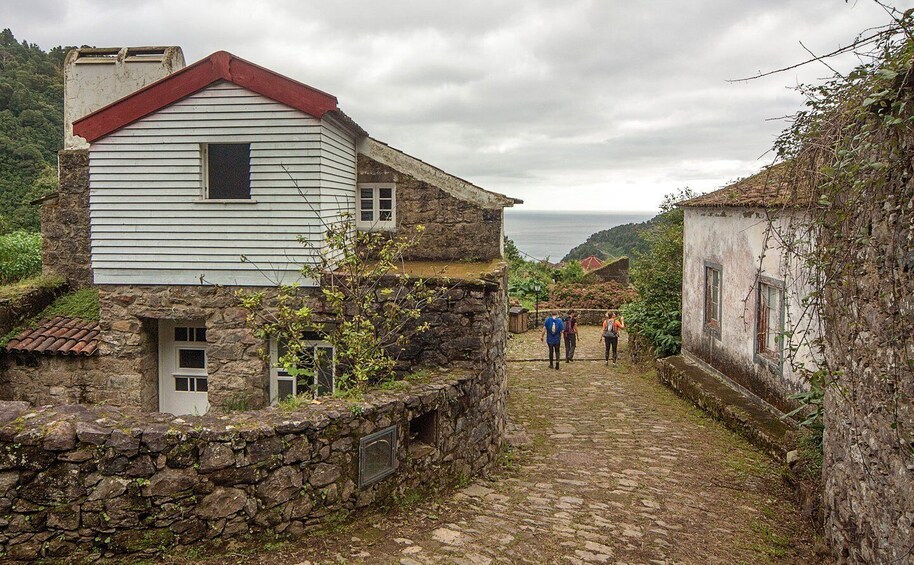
[{"x": 222, "y": 175}]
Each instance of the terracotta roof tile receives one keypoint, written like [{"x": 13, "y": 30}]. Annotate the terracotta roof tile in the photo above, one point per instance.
[
  {"x": 59, "y": 336},
  {"x": 772, "y": 187}
]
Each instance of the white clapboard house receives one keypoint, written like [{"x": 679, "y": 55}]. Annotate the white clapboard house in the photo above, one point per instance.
[{"x": 190, "y": 169}]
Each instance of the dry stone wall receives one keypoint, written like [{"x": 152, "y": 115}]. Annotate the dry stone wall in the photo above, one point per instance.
[
  {"x": 467, "y": 330},
  {"x": 869, "y": 417},
  {"x": 455, "y": 230},
  {"x": 108, "y": 480},
  {"x": 65, "y": 243}
]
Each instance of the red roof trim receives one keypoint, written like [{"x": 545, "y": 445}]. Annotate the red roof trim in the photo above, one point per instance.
[{"x": 221, "y": 65}]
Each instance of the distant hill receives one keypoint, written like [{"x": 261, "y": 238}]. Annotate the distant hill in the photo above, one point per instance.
[
  {"x": 624, "y": 240},
  {"x": 31, "y": 128}
]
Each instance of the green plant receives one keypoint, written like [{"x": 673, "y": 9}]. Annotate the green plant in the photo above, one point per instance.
[
  {"x": 20, "y": 256},
  {"x": 368, "y": 310},
  {"x": 238, "y": 402},
  {"x": 657, "y": 275}
]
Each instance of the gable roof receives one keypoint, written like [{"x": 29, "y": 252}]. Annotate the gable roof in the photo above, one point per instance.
[
  {"x": 59, "y": 336},
  {"x": 420, "y": 170},
  {"x": 772, "y": 187},
  {"x": 221, "y": 65}
]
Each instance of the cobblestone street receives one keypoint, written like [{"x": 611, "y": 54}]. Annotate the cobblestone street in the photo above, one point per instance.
[{"x": 616, "y": 470}]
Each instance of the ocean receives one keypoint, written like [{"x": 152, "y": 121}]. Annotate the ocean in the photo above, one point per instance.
[{"x": 543, "y": 234}]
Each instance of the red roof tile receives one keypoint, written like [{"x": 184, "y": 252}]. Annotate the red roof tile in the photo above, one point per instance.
[
  {"x": 590, "y": 263},
  {"x": 60, "y": 336}
]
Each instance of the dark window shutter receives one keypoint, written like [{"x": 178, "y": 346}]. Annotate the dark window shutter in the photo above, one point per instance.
[{"x": 230, "y": 171}]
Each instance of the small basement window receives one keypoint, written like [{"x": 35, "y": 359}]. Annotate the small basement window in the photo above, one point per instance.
[
  {"x": 377, "y": 456},
  {"x": 376, "y": 207},
  {"x": 226, "y": 171}
]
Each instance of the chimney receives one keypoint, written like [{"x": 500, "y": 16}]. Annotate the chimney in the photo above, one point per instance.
[{"x": 96, "y": 77}]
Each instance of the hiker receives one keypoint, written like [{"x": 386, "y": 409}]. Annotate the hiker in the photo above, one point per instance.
[
  {"x": 552, "y": 335},
  {"x": 571, "y": 335},
  {"x": 611, "y": 328}
]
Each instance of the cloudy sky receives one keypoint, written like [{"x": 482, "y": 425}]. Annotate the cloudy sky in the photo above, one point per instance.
[{"x": 574, "y": 105}]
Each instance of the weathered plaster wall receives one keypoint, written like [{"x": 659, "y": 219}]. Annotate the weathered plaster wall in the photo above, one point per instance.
[
  {"x": 455, "y": 229},
  {"x": 735, "y": 239},
  {"x": 65, "y": 222},
  {"x": 869, "y": 416},
  {"x": 78, "y": 479}
]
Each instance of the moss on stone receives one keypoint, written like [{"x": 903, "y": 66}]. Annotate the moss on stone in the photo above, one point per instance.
[{"x": 18, "y": 289}]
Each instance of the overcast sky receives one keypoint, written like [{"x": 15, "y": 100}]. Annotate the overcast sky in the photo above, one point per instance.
[{"x": 573, "y": 105}]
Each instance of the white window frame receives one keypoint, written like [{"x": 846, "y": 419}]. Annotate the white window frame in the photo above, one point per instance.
[
  {"x": 277, "y": 373},
  {"x": 375, "y": 224},
  {"x": 193, "y": 375}
]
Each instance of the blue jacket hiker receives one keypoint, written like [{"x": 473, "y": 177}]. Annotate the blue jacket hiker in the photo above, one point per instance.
[{"x": 553, "y": 328}]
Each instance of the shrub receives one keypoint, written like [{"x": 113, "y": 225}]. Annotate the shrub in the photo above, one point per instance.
[
  {"x": 607, "y": 295},
  {"x": 657, "y": 314},
  {"x": 20, "y": 256}
]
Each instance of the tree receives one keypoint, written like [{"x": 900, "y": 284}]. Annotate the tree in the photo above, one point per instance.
[
  {"x": 657, "y": 275},
  {"x": 368, "y": 309}
]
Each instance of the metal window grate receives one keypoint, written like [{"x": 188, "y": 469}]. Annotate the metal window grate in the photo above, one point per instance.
[{"x": 377, "y": 456}]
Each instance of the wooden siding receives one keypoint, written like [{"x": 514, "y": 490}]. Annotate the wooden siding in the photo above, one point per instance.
[{"x": 150, "y": 224}]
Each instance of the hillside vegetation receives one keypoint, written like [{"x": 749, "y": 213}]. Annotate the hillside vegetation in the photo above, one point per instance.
[
  {"x": 620, "y": 241},
  {"x": 31, "y": 128}
]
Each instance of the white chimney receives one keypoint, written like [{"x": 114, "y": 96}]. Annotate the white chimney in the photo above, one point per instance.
[{"x": 96, "y": 77}]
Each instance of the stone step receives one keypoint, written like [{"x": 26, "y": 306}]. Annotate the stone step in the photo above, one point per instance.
[{"x": 736, "y": 408}]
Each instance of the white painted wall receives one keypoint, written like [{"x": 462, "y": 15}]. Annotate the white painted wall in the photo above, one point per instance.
[
  {"x": 150, "y": 225},
  {"x": 94, "y": 78},
  {"x": 739, "y": 241}
]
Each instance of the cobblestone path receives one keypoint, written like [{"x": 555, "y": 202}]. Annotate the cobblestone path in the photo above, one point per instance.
[{"x": 617, "y": 470}]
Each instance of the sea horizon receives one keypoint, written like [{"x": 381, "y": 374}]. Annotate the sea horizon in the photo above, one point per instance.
[{"x": 551, "y": 234}]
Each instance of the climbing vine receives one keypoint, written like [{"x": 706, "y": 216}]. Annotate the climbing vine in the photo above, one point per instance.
[{"x": 845, "y": 226}]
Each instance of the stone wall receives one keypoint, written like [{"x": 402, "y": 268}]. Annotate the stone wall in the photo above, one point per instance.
[
  {"x": 65, "y": 248},
  {"x": 129, "y": 350},
  {"x": 77, "y": 479},
  {"x": 17, "y": 309},
  {"x": 467, "y": 330},
  {"x": 869, "y": 416},
  {"x": 54, "y": 379},
  {"x": 455, "y": 230}
]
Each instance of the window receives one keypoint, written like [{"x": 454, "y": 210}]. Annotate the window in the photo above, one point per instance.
[
  {"x": 190, "y": 359},
  {"x": 770, "y": 320},
  {"x": 318, "y": 366},
  {"x": 226, "y": 171},
  {"x": 377, "y": 456},
  {"x": 712, "y": 298},
  {"x": 375, "y": 207}
]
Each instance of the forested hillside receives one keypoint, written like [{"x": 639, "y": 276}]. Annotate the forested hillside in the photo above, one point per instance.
[
  {"x": 31, "y": 128},
  {"x": 620, "y": 241}
]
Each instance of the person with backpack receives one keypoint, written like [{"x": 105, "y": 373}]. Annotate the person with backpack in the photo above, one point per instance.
[
  {"x": 553, "y": 328},
  {"x": 571, "y": 335},
  {"x": 611, "y": 328}
]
